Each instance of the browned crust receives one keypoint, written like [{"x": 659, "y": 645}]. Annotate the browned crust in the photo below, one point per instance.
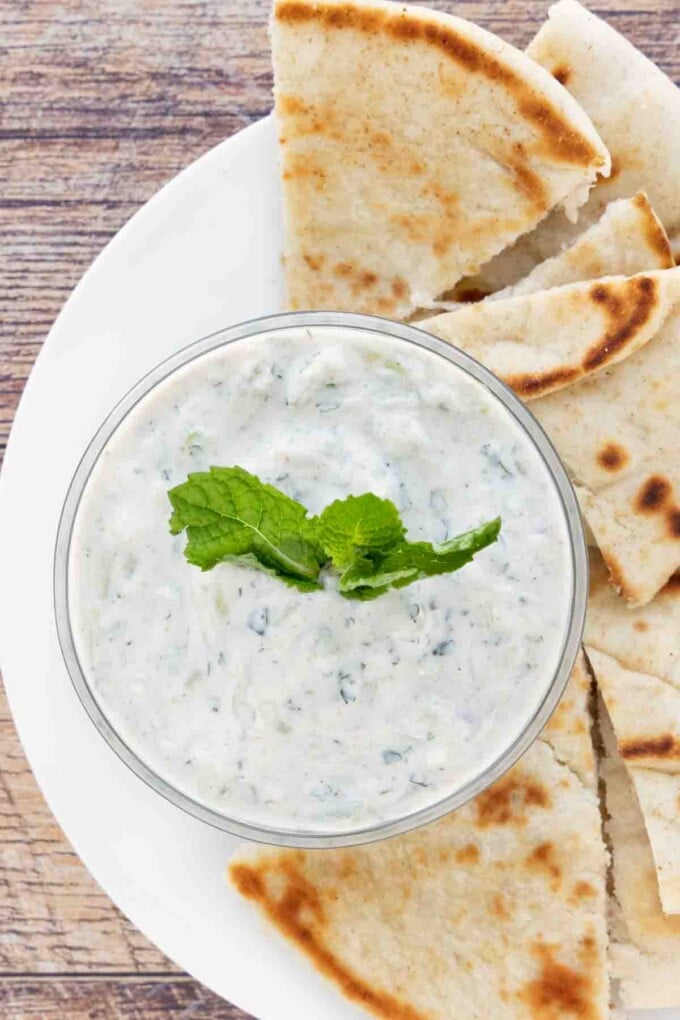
[
  {"x": 559, "y": 139},
  {"x": 528, "y": 182},
  {"x": 468, "y": 854},
  {"x": 544, "y": 859},
  {"x": 656, "y": 497},
  {"x": 612, "y": 456},
  {"x": 665, "y": 748},
  {"x": 583, "y": 891},
  {"x": 628, "y": 308},
  {"x": 656, "y": 236},
  {"x": 539, "y": 384},
  {"x": 561, "y": 991},
  {"x": 653, "y": 495},
  {"x": 561, "y": 73},
  {"x": 505, "y": 802},
  {"x": 297, "y": 912}
]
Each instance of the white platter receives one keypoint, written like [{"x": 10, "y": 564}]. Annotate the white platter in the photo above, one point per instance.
[{"x": 202, "y": 254}]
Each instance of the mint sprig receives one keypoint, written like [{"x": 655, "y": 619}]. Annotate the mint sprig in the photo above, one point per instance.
[
  {"x": 407, "y": 562},
  {"x": 231, "y": 516}
]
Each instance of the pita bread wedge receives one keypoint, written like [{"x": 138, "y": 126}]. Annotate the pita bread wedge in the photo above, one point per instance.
[
  {"x": 644, "y": 640},
  {"x": 635, "y": 108},
  {"x": 627, "y": 239},
  {"x": 496, "y": 911},
  {"x": 645, "y": 945},
  {"x": 617, "y": 431},
  {"x": 414, "y": 147},
  {"x": 538, "y": 343},
  {"x": 645, "y": 715}
]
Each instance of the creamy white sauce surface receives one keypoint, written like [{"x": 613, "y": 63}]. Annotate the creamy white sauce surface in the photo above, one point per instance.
[{"x": 311, "y": 711}]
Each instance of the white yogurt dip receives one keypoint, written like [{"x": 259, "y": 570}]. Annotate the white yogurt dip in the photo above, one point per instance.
[{"x": 310, "y": 711}]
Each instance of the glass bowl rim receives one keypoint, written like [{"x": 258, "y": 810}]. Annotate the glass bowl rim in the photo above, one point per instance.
[{"x": 411, "y": 333}]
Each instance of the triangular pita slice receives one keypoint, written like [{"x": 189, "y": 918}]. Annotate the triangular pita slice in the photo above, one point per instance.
[
  {"x": 644, "y": 640},
  {"x": 635, "y": 108},
  {"x": 498, "y": 910},
  {"x": 627, "y": 239},
  {"x": 645, "y": 715},
  {"x": 414, "y": 147},
  {"x": 617, "y": 431},
  {"x": 645, "y": 946},
  {"x": 541, "y": 342}
]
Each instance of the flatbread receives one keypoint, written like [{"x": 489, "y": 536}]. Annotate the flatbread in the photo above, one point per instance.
[
  {"x": 645, "y": 715},
  {"x": 627, "y": 239},
  {"x": 414, "y": 147},
  {"x": 635, "y": 108},
  {"x": 496, "y": 911},
  {"x": 645, "y": 712},
  {"x": 645, "y": 946},
  {"x": 617, "y": 431},
  {"x": 644, "y": 640},
  {"x": 542, "y": 342},
  {"x": 568, "y": 730}
]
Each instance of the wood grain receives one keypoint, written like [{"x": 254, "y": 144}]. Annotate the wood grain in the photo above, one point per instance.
[
  {"x": 127, "y": 998},
  {"x": 101, "y": 102}
]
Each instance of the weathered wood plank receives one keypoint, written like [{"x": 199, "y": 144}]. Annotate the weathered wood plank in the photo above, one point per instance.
[
  {"x": 53, "y": 916},
  {"x": 106, "y": 999},
  {"x": 101, "y": 102}
]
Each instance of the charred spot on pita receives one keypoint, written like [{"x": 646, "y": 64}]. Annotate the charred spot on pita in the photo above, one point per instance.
[
  {"x": 558, "y": 990},
  {"x": 612, "y": 457},
  {"x": 653, "y": 495},
  {"x": 541, "y": 382},
  {"x": 562, "y": 73},
  {"x": 583, "y": 890},
  {"x": 628, "y": 307},
  {"x": 543, "y": 858},
  {"x": 505, "y": 802},
  {"x": 665, "y": 746},
  {"x": 468, "y": 854}
]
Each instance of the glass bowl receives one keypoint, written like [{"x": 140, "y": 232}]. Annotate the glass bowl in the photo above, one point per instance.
[{"x": 409, "y": 334}]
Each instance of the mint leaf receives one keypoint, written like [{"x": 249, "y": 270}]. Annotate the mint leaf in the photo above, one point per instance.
[
  {"x": 230, "y": 515},
  {"x": 358, "y": 526},
  {"x": 406, "y": 562}
]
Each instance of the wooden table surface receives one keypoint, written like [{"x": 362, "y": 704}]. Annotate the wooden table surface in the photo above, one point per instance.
[{"x": 101, "y": 102}]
